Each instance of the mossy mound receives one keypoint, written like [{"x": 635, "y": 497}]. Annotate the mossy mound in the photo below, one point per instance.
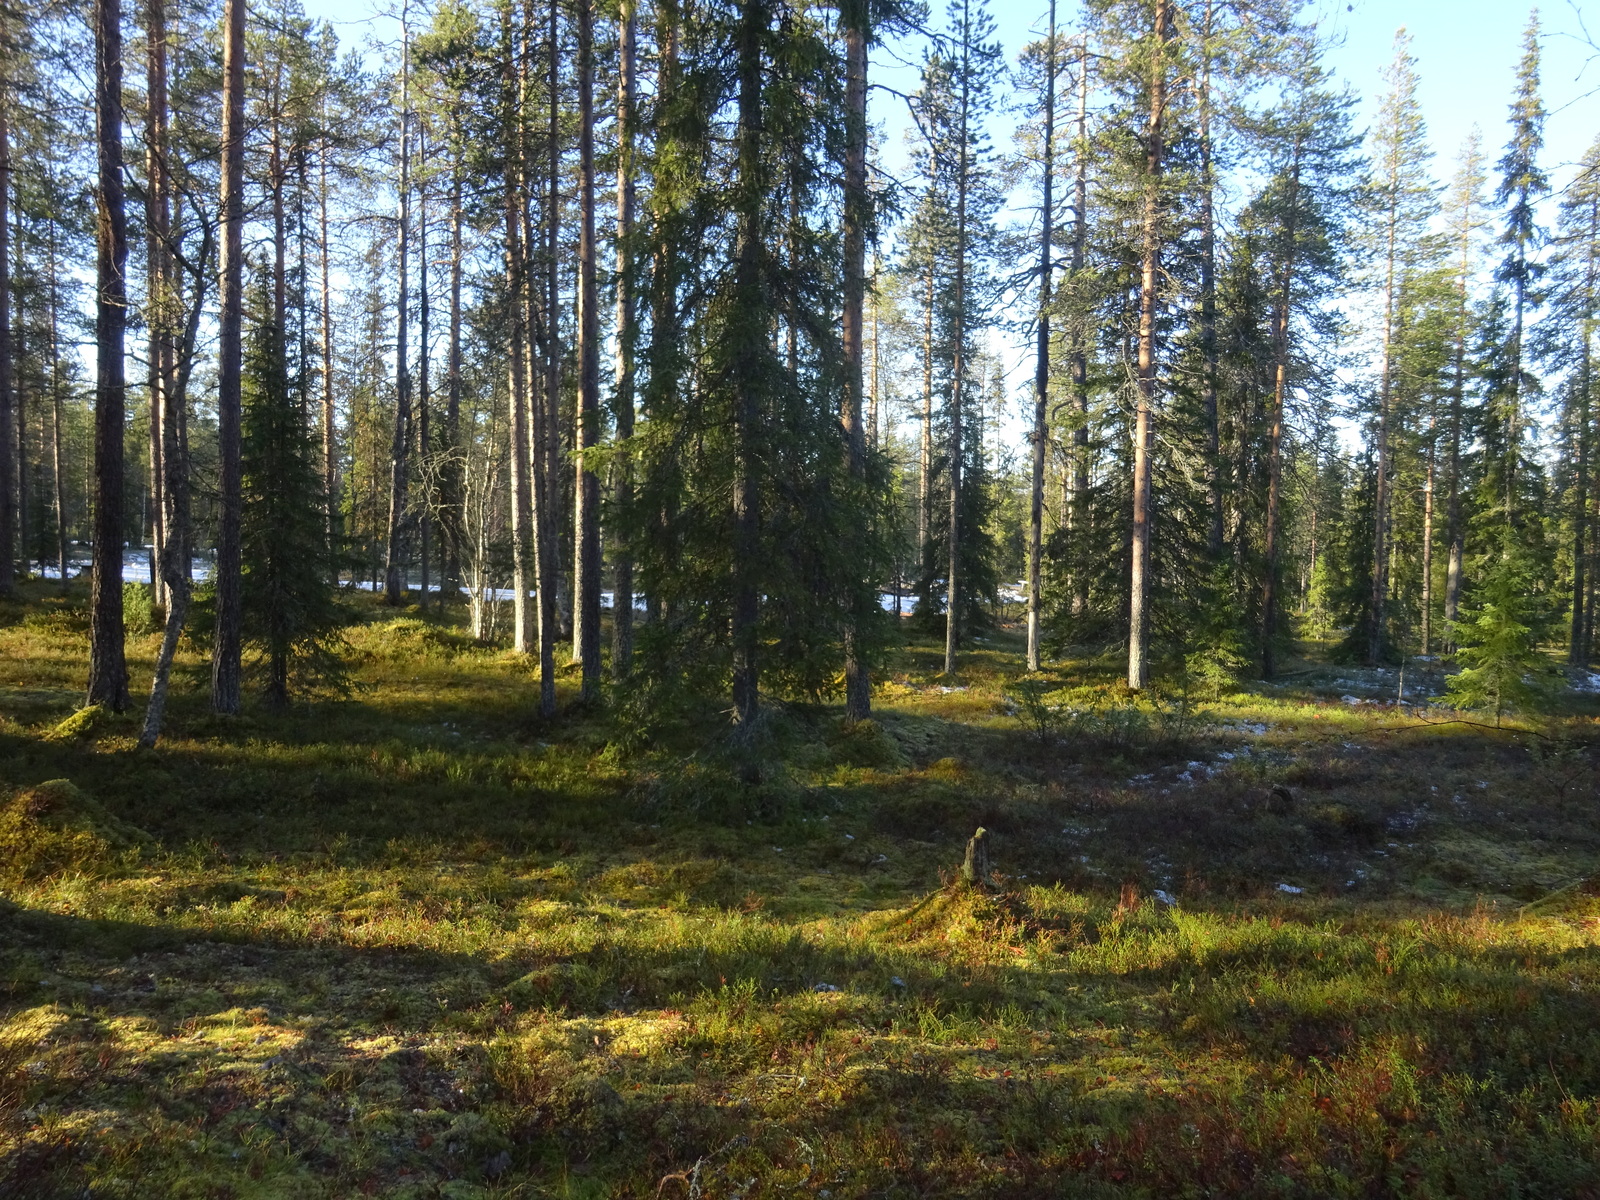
[{"x": 57, "y": 827}]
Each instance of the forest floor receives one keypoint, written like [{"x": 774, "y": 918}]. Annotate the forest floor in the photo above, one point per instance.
[{"x": 419, "y": 944}]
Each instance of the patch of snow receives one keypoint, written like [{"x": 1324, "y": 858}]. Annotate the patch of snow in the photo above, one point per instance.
[
  {"x": 1166, "y": 898},
  {"x": 1290, "y": 888}
]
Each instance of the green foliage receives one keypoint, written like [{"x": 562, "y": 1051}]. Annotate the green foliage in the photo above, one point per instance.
[
  {"x": 291, "y": 618},
  {"x": 1499, "y": 635},
  {"x": 138, "y": 609}
]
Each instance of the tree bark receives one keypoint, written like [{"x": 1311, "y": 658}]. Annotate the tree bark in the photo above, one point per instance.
[
  {"x": 394, "y": 584},
  {"x": 1139, "y": 561},
  {"x": 108, "y": 668},
  {"x": 925, "y": 453},
  {"x": 1208, "y": 294},
  {"x": 424, "y": 432},
  {"x": 454, "y": 472},
  {"x": 57, "y": 474},
  {"x": 586, "y": 485},
  {"x": 1280, "y": 392},
  {"x": 958, "y": 366},
  {"x": 329, "y": 449},
  {"x": 548, "y": 450},
  {"x": 8, "y": 456},
  {"x": 1078, "y": 506},
  {"x": 745, "y": 632},
  {"x": 1577, "y": 650},
  {"x": 857, "y": 212},
  {"x": 1380, "y": 498},
  {"x": 1041, "y": 376},
  {"x": 622, "y": 567},
  {"x": 226, "y": 648},
  {"x": 517, "y": 384}
]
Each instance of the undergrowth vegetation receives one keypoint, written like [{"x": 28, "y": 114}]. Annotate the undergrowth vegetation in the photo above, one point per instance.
[{"x": 418, "y": 943}]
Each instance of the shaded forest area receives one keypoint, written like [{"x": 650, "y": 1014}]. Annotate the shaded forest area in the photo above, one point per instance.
[{"x": 557, "y": 478}]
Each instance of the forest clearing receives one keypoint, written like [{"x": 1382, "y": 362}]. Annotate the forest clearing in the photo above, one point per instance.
[{"x": 423, "y": 943}]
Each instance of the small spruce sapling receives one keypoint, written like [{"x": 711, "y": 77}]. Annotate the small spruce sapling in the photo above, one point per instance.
[{"x": 1498, "y": 637}]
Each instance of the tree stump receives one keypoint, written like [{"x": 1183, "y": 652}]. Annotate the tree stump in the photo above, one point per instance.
[{"x": 975, "y": 870}]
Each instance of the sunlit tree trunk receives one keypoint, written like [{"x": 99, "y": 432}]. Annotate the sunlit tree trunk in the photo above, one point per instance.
[
  {"x": 394, "y": 583},
  {"x": 1149, "y": 282},
  {"x": 108, "y": 668},
  {"x": 586, "y": 485},
  {"x": 857, "y": 212},
  {"x": 1041, "y": 376}
]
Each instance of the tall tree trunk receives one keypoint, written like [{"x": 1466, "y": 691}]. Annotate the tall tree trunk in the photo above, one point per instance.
[
  {"x": 517, "y": 385},
  {"x": 586, "y": 485},
  {"x": 1280, "y": 393},
  {"x": 1380, "y": 502},
  {"x": 1455, "y": 527},
  {"x": 108, "y": 668},
  {"x": 925, "y": 454},
  {"x": 622, "y": 568},
  {"x": 1139, "y": 582},
  {"x": 166, "y": 403},
  {"x": 1427, "y": 536},
  {"x": 8, "y": 457},
  {"x": 227, "y": 644},
  {"x": 1078, "y": 500},
  {"x": 1041, "y": 375},
  {"x": 454, "y": 473},
  {"x": 57, "y": 470},
  {"x": 857, "y": 212},
  {"x": 745, "y": 632},
  {"x": 330, "y": 498},
  {"x": 424, "y": 354},
  {"x": 547, "y": 448},
  {"x": 1208, "y": 293},
  {"x": 394, "y": 583},
  {"x": 158, "y": 301},
  {"x": 1577, "y": 650},
  {"x": 958, "y": 365}
]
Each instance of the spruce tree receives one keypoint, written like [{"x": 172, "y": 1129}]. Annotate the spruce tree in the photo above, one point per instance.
[{"x": 290, "y": 617}]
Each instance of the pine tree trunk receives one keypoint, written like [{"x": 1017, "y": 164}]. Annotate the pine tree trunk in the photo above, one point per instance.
[
  {"x": 158, "y": 300},
  {"x": 622, "y": 568},
  {"x": 586, "y": 485},
  {"x": 517, "y": 385},
  {"x": 749, "y": 200},
  {"x": 1380, "y": 503},
  {"x": 453, "y": 474},
  {"x": 57, "y": 470},
  {"x": 1041, "y": 376},
  {"x": 1078, "y": 499},
  {"x": 330, "y": 498},
  {"x": 394, "y": 583},
  {"x": 1427, "y": 540},
  {"x": 108, "y": 668},
  {"x": 226, "y": 648},
  {"x": 1208, "y": 297},
  {"x": 166, "y": 404},
  {"x": 1280, "y": 392},
  {"x": 1577, "y": 650},
  {"x": 8, "y": 485},
  {"x": 547, "y": 450},
  {"x": 925, "y": 455},
  {"x": 958, "y": 365},
  {"x": 1139, "y": 583},
  {"x": 424, "y": 447},
  {"x": 857, "y": 212}
]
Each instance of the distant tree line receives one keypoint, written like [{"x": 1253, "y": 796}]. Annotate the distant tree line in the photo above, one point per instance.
[{"x": 585, "y": 300}]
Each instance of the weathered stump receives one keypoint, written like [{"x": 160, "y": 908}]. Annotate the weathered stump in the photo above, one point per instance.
[{"x": 975, "y": 869}]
